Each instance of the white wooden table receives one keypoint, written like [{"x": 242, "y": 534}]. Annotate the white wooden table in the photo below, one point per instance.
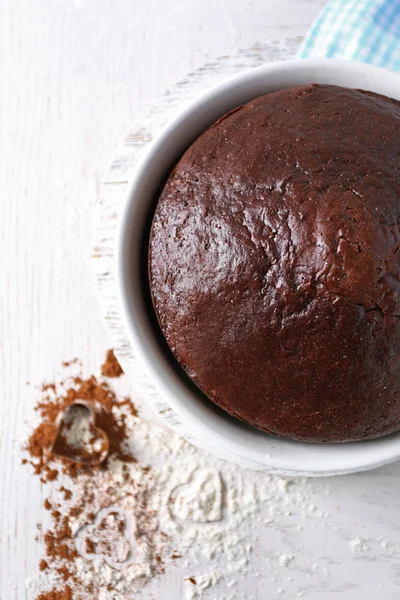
[{"x": 74, "y": 74}]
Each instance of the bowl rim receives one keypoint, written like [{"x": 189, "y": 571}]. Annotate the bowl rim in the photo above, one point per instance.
[{"x": 204, "y": 424}]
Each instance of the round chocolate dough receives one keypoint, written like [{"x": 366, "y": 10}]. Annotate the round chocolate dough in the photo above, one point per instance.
[{"x": 274, "y": 263}]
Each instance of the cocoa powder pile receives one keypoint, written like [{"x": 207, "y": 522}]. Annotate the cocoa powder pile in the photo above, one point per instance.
[
  {"x": 54, "y": 402},
  {"x": 111, "y": 367},
  {"x": 80, "y": 492}
]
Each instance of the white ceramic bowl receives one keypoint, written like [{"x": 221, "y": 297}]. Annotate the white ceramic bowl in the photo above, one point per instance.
[{"x": 204, "y": 423}]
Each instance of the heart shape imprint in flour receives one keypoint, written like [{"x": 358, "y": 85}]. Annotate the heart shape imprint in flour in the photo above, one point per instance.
[
  {"x": 108, "y": 538},
  {"x": 78, "y": 439},
  {"x": 200, "y": 499}
]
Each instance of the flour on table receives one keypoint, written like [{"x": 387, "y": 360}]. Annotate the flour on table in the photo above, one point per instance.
[
  {"x": 175, "y": 503},
  {"x": 200, "y": 499},
  {"x": 203, "y": 582},
  {"x": 358, "y": 545},
  {"x": 285, "y": 559}
]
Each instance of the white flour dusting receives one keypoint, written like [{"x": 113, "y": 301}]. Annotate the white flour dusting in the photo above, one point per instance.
[
  {"x": 358, "y": 545},
  {"x": 285, "y": 560},
  {"x": 175, "y": 503},
  {"x": 202, "y": 583}
]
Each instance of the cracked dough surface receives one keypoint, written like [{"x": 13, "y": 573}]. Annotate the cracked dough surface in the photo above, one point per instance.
[{"x": 274, "y": 263}]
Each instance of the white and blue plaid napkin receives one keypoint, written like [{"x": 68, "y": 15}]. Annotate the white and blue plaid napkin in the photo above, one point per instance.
[{"x": 363, "y": 30}]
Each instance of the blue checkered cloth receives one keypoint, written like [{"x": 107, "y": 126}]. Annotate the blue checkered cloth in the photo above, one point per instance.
[{"x": 363, "y": 30}]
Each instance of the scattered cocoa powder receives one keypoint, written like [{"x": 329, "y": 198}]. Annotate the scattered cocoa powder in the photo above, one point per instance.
[
  {"x": 67, "y": 493},
  {"x": 73, "y": 361},
  {"x": 52, "y": 474},
  {"x": 127, "y": 403},
  {"x": 55, "y": 515},
  {"x": 111, "y": 366},
  {"x": 90, "y": 547},
  {"x": 56, "y": 398},
  {"x": 65, "y": 594},
  {"x": 55, "y": 401},
  {"x": 60, "y": 541},
  {"x": 43, "y": 565}
]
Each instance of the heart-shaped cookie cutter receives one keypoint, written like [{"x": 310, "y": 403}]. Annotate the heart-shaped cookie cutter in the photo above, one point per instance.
[
  {"x": 198, "y": 479},
  {"x": 88, "y": 530},
  {"x": 85, "y": 411}
]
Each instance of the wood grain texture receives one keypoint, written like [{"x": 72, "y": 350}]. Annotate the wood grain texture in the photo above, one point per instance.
[{"x": 74, "y": 76}]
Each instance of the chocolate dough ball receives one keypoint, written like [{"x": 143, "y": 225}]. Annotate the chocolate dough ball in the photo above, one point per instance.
[{"x": 274, "y": 263}]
